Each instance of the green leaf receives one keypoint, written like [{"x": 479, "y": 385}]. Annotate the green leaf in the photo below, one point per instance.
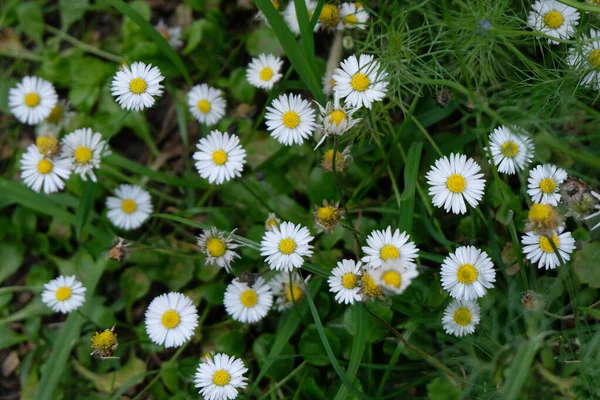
[
  {"x": 195, "y": 34},
  {"x": 585, "y": 264},
  {"x": 239, "y": 86},
  {"x": 312, "y": 350},
  {"x": 411, "y": 173},
  {"x": 263, "y": 40},
  {"x": 31, "y": 21},
  {"x": 321, "y": 186},
  {"x": 11, "y": 258},
  {"x": 71, "y": 11},
  {"x": 9, "y": 338},
  {"x": 134, "y": 283},
  {"x": 359, "y": 343},
  {"x": 169, "y": 375},
  {"x": 232, "y": 343},
  {"x": 278, "y": 367},
  {"x": 517, "y": 373},
  {"x": 35, "y": 308},
  {"x": 375, "y": 329},
  {"x": 86, "y": 202},
  {"x": 443, "y": 389},
  {"x": 107, "y": 383},
  {"x": 306, "y": 33},
  {"x": 164, "y": 46},
  {"x": 591, "y": 311}
]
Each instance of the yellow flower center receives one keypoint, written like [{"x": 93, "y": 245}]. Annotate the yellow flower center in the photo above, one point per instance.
[
  {"x": 360, "y": 82},
  {"x": 392, "y": 278},
  {"x": 170, "y": 319},
  {"x": 221, "y": 377},
  {"x": 553, "y": 19},
  {"x": 45, "y": 166},
  {"x": 547, "y": 186},
  {"x": 272, "y": 223},
  {"x": 337, "y": 117},
  {"x": 369, "y": 287},
  {"x": 204, "y": 106},
  {"x": 219, "y": 157},
  {"x": 541, "y": 212},
  {"x": 215, "y": 247},
  {"x": 32, "y": 99},
  {"x": 249, "y": 298},
  {"x": 462, "y": 316},
  {"x": 55, "y": 115},
  {"x": 349, "y": 280},
  {"x": 330, "y": 15},
  {"x": 128, "y": 206},
  {"x": 287, "y": 246},
  {"x": 266, "y": 73},
  {"x": 290, "y": 119},
  {"x": 594, "y": 58},
  {"x": 83, "y": 154},
  {"x": 510, "y": 149},
  {"x": 546, "y": 246},
  {"x": 63, "y": 293},
  {"x": 104, "y": 340},
  {"x": 350, "y": 19},
  {"x": 47, "y": 145},
  {"x": 326, "y": 213},
  {"x": 467, "y": 274},
  {"x": 456, "y": 183},
  {"x": 295, "y": 291},
  {"x": 138, "y": 85},
  {"x": 328, "y": 156},
  {"x": 389, "y": 252}
]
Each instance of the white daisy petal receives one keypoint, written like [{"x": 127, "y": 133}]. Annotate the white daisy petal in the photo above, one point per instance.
[
  {"x": 344, "y": 281},
  {"x": 291, "y": 18},
  {"x": 284, "y": 247},
  {"x": 544, "y": 184},
  {"x": 129, "y": 208},
  {"x": 206, "y": 104},
  {"x": 511, "y": 151},
  {"x": 32, "y": 100},
  {"x": 353, "y": 15},
  {"x": 218, "y": 248},
  {"x": 171, "y": 319},
  {"x": 461, "y": 317},
  {"x": 135, "y": 87},
  {"x": 220, "y": 377},
  {"x": 360, "y": 82},
  {"x": 286, "y": 292},
  {"x": 585, "y": 59},
  {"x": 553, "y": 18},
  {"x": 220, "y": 157},
  {"x": 290, "y": 119},
  {"x": 171, "y": 34},
  {"x": 248, "y": 303},
  {"x": 84, "y": 149},
  {"x": 394, "y": 276},
  {"x": 264, "y": 71},
  {"x": 467, "y": 273},
  {"x": 538, "y": 249},
  {"x": 384, "y": 246},
  {"x": 39, "y": 172},
  {"x": 64, "y": 294}
]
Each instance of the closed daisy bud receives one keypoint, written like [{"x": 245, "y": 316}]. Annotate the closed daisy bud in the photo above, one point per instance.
[
  {"x": 104, "y": 343},
  {"x": 47, "y": 145},
  {"x": 328, "y": 216},
  {"x": 342, "y": 160},
  {"x": 543, "y": 219},
  {"x": 272, "y": 222}
]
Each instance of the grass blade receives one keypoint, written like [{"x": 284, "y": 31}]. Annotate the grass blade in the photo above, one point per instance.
[
  {"x": 411, "y": 172},
  {"x": 517, "y": 372},
  {"x": 358, "y": 348},
  {"x": 85, "y": 207},
  {"x": 153, "y": 34},
  {"x": 306, "y": 33}
]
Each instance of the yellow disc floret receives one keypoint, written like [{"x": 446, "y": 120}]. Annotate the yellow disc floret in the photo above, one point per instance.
[
  {"x": 138, "y": 85},
  {"x": 553, "y": 19},
  {"x": 392, "y": 278},
  {"x": 266, "y": 73},
  {"x": 389, "y": 252},
  {"x": 547, "y": 185},
  {"x": 83, "y": 154},
  {"x": 287, "y": 246},
  {"x": 290, "y": 119},
  {"x": 462, "y": 316},
  {"x": 216, "y": 247},
  {"x": 349, "y": 280},
  {"x": 510, "y": 149},
  {"x": 221, "y": 377},
  {"x": 204, "y": 106},
  {"x": 104, "y": 343},
  {"x": 55, "y": 115},
  {"x": 541, "y": 213},
  {"x": 170, "y": 319},
  {"x": 63, "y": 293},
  {"x": 293, "y": 292},
  {"x": 456, "y": 183},
  {"x": 360, "y": 82},
  {"x": 467, "y": 274},
  {"x": 326, "y": 213},
  {"x": 337, "y": 117},
  {"x": 219, "y": 157},
  {"x": 546, "y": 246},
  {"x": 330, "y": 16},
  {"x": 47, "y": 145},
  {"x": 128, "y": 206},
  {"x": 249, "y": 298},
  {"x": 594, "y": 58},
  {"x": 32, "y": 99},
  {"x": 45, "y": 166},
  {"x": 369, "y": 287}
]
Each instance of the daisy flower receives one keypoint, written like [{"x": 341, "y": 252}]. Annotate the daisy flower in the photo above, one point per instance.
[
  {"x": 328, "y": 216},
  {"x": 220, "y": 157},
  {"x": 263, "y": 71},
  {"x": 455, "y": 180},
  {"x": 40, "y": 172},
  {"x": 342, "y": 160},
  {"x": 353, "y": 15},
  {"x": 544, "y": 184},
  {"x": 597, "y": 207},
  {"x": 286, "y": 292},
  {"x": 64, "y": 294},
  {"x": 272, "y": 222},
  {"x": 369, "y": 289},
  {"x": 329, "y": 18},
  {"x": 538, "y": 249},
  {"x": 104, "y": 343},
  {"x": 585, "y": 57},
  {"x": 84, "y": 149},
  {"x": 328, "y": 83},
  {"x": 171, "y": 34},
  {"x": 510, "y": 150},
  {"x": 553, "y": 18},
  {"x": 384, "y": 246},
  {"x": 344, "y": 281},
  {"x": 206, "y": 104},
  {"x": 129, "y": 208},
  {"x": 247, "y": 302},
  {"x": 32, "y": 100},
  {"x": 336, "y": 120},
  {"x": 47, "y": 145},
  {"x": 171, "y": 319},
  {"x": 461, "y": 317},
  {"x": 360, "y": 81},
  {"x": 291, "y": 18},
  {"x": 219, "y": 378},
  {"x": 394, "y": 276},
  {"x": 290, "y": 119},
  {"x": 467, "y": 273},
  {"x": 135, "y": 88},
  {"x": 59, "y": 118},
  {"x": 285, "y": 246},
  {"x": 218, "y": 248},
  {"x": 543, "y": 218}
]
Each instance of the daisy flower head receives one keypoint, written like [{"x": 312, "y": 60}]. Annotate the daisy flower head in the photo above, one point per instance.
[
  {"x": 585, "y": 58},
  {"x": 353, "y": 15},
  {"x": 104, "y": 343},
  {"x": 290, "y": 119},
  {"x": 218, "y": 248},
  {"x": 394, "y": 276},
  {"x": 342, "y": 160},
  {"x": 544, "y": 184},
  {"x": 60, "y": 117},
  {"x": 171, "y": 34},
  {"x": 461, "y": 317},
  {"x": 171, "y": 319},
  {"x": 384, "y": 246},
  {"x": 129, "y": 207},
  {"x": 597, "y": 207},
  {"x": 272, "y": 222},
  {"x": 39, "y": 172},
  {"x": 543, "y": 219},
  {"x": 554, "y": 19},
  {"x": 264, "y": 71},
  {"x": 455, "y": 180},
  {"x": 220, "y": 377},
  {"x": 287, "y": 292},
  {"x": 247, "y": 302},
  {"x": 84, "y": 149},
  {"x": 510, "y": 150},
  {"x": 360, "y": 81},
  {"x": 32, "y": 100},
  {"x": 467, "y": 273},
  {"x": 369, "y": 289},
  {"x": 344, "y": 281},
  {"x": 47, "y": 145},
  {"x": 330, "y": 18},
  {"x": 328, "y": 216},
  {"x": 538, "y": 249},
  {"x": 136, "y": 87},
  {"x": 285, "y": 246},
  {"x": 220, "y": 157},
  {"x": 206, "y": 104},
  {"x": 64, "y": 294},
  {"x": 335, "y": 119},
  {"x": 291, "y": 18}
]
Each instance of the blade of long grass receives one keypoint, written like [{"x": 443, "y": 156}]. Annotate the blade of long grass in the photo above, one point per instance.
[
  {"x": 517, "y": 371},
  {"x": 359, "y": 343},
  {"x": 306, "y": 33},
  {"x": 411, "y": 172},
  {"x": 85, "y": 207},
  {"x": 153, "y": 34}
]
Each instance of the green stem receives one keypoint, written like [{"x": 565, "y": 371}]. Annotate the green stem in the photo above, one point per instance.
[
  {"x": 10, "y": 289},
  {"x": 284, "y": 380},
  {"x": 517, "y": 244},
  {"x": 83, "y": 46}
]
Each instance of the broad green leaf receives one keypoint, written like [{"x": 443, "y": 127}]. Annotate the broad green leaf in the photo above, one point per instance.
[
  {"x": 195, "y": 34},
  {"x": 134, "y": 283},
  {"x": 31, "y": 21},
  {"x": 591, "y": 311},
  {"x": 359, "y": 343},
  {"x": 585, "y": 264},
  {"x": 169, "y": 375},
  {"x": 11, "y": 258},
  {"x": 86, "y": 203},
  {"x": 280, "y": 365},
  {"x": 231, "y": 342},
  {"x": 9, "y": 338},
  {"x": 108, "y": 383},
  {"x": 71, "y": 11},
  {"x": 239, "y": 86},
  {"x": 443, "y": 389},
  {"x": 375, "y": 329},
  {"x": 517, "y": 373},
  {"x": 411, "y": 173},
  {"x": 263, "y": 40},
  {"x": 312, "y": 350}
]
